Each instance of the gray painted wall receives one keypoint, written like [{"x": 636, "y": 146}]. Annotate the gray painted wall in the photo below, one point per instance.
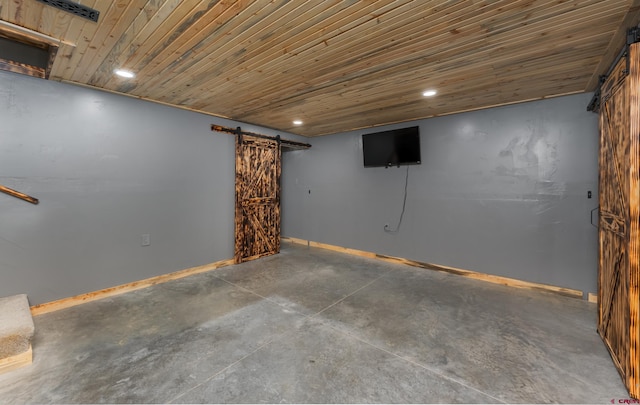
[
  {"x": 501, "y": 191},
  {"x": 107, "y": 169}
]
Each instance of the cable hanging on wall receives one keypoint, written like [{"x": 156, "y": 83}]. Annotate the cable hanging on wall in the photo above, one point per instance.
[{"x": 387, "y": 229}]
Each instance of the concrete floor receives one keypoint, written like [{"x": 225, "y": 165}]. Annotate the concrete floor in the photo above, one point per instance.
[{"x": 309, "y": 326}]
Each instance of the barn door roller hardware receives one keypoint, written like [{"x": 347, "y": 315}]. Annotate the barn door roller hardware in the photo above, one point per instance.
[
  {"x": 284, "y": 142},
  {"x": 18, "y": 194},
  {"x": 633, "y": 36}
]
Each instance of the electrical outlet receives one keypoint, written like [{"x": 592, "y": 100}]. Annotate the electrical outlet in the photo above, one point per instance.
[{"x": 146, "y": 240}]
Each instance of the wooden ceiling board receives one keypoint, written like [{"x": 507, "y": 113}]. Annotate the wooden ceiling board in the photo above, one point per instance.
[
  {"x": 441, "y": 47},
  {"x": 253, "y": 49},
  {"x": 243, "y": 48},
  {"x": 133, "y": 41},
  {"x": 215, "y": 28},
  {"x": 241, "y": 72},
  {"x": 30, "y": 15},
  {"x": 7, "y": 10},
  {"x": 145, "y": 50},
  {"x": 235, "y": 51},
  {"x": 338, "y": 65},
  {"x": 356, "y": 69},
  {"x": 200, "y": 70},
  {"x": 78, "y": 31},
  {"x": 437, "y": 75},
  {"x": 130, "y": 14},
  {"x": 118, "y": 17},
  {"x": 474, "y": 83},
  {"x": 314, "y": 29},
  {"x": 324, "y": 73},
  {"x": 631, "y": 19}
]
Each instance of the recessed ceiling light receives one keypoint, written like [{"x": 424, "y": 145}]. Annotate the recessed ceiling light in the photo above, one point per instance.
[
  {"x": 124, "y": 73},
  {"x": 297, "y": 122},
  {"x": 429, "y": 93}
]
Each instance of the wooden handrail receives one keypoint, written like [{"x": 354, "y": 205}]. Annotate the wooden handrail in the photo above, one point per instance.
[{"x": 19, "y": 195}]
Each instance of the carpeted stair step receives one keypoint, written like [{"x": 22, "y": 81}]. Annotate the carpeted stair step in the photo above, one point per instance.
[{"x": 16, "y": 332}]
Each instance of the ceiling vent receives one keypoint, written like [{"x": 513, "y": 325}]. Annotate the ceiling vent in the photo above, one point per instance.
[{"x": 74, "y": 8}]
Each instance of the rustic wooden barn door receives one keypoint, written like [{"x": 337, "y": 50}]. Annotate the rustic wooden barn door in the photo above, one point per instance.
[
  {"x": 257, "y": 218},
  {"x": 619, "y": 239}
]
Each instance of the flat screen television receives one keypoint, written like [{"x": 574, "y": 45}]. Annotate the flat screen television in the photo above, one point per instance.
[{"x": 396, "y": 147}]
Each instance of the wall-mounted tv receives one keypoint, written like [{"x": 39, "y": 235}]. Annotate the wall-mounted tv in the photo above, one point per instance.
[{"x": 396, "y": 147}]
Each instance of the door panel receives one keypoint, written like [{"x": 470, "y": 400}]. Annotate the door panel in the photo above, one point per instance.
[
  {"x": 257, "y": 217},
  {"x": 619, "y": 239}
]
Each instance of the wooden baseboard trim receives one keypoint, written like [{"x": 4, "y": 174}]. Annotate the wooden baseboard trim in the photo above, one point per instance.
[
  {"x": 295, "y": 240},
  {"x": 511, "y": 282},
  {"x": 341, "y": 249},
  {"x": 17, "y": 361},
  {"x": 334, "y": 248},
  {"x": 124, "y": 288}
]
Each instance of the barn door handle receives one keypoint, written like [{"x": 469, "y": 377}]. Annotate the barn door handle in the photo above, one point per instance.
[{"x": 596, "y": 208}]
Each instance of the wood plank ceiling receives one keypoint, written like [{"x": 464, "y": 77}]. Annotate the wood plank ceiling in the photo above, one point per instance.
[{"x": 337, "y": 65}]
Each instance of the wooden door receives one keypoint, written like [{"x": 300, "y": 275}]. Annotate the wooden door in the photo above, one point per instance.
[
  {"x": 619, "y": 253},
  {"x": 257, "y": 217}
]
